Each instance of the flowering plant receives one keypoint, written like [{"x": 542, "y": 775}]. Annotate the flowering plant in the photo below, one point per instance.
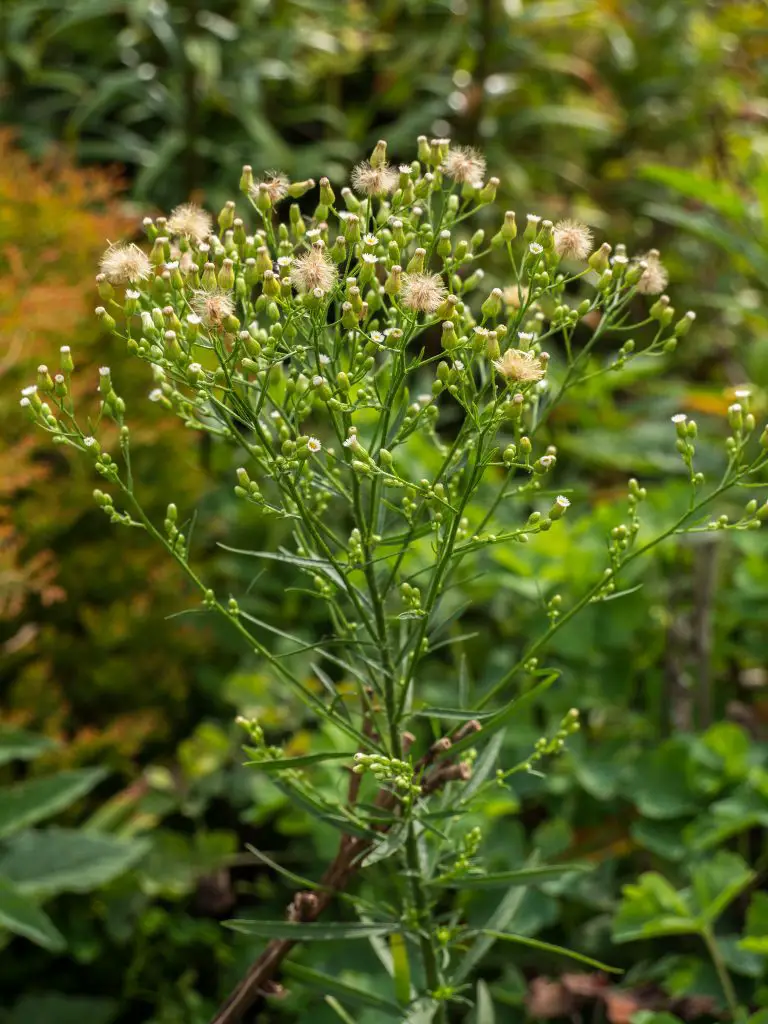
[{"x": 388, "y": 407}]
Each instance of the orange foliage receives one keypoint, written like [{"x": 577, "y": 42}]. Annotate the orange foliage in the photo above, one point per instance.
[{"x": 87, "y": 653}]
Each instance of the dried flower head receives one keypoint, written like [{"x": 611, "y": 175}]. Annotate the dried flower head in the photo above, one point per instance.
[
  {"x": 465, "y": 165},
  {"x": 125, "y": 264},
  {"x": 573, "y": 240},
  {"x": 423, "y": 292},
  {"x": 523, "y": 367},
  {"x": 374, "y": 181},
  {"x": 515, "y": 296},
  {"x": 190, "y": 221},
  {"x": 314, "y": 271},
  {"x": 213, "y": 307},
  {"x": 274, "y": 183},
  {"x": 654, "y": 278}
]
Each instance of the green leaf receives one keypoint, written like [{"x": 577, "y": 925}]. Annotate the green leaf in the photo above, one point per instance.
[
  {"x": 401, "y": 968},
  {"x": 718, "y": 881},
  {"x": 19, "y": 745},
  {"x": 503, "y": 879},
  {"x": 326, "y": 983},
  {"x": 53, "y": 860},
  {"x": 31, "y": 801},
  {"x": 718, "y": 195},
  {"x": 660, "y": 788},
  {"x": 283, "y": 764},
  {"x": 756, "y": 929},
  {"x": 650, "y": 1017},
  {"x": 23, "y": 917},
  {"x": 56, "y": 1008},
  {"x": 309, "y": 931},
  {"x": 484, "y": 940},
  {"x": 484, "y": 1012},
  {"x": 548, "y": 947},
  {"x": 652, "y": 908},
  {"x": 452, "y": 714}
]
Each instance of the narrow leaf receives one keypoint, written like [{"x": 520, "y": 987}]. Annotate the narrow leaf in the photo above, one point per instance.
[
  {"x": 499, "y": 919},
  {"x": 309, "y": 931},
  {"x": 548, "y": 947},
  {"x": 23, "y": 917},
  {"x": 326, "y": 983},
  {"x": 501, "y": 879},
  {"x": 501, "y": 718},
  {"x": 484, "y": 1012},
  {"x": 402, "y": 968}
]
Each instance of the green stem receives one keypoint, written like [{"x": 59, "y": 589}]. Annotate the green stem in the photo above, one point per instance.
[{"x": 722, "y": 971}]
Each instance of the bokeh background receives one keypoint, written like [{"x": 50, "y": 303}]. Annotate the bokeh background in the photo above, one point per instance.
[{"x": 646, "y": 118}]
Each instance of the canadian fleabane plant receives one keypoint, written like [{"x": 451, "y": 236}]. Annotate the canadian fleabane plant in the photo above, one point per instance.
[{"x": 378, "y": 394}]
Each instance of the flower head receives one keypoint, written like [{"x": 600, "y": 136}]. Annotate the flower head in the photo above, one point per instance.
[
  {"x": 573, "y": 240},
  {"x": 464, "y": 165},
  {"x": 190, "y": 221},
  {"x": 274, "y": 183},
  {"x": 314, "y": 445},
  {"x": 374, "y": 181},
  {"x": 313, "y": 271},
  {"x": 213, "y": 307},
  {"x": 423, "y": 292},
  {"x": 125, "y": 264},
  {"x": 654, "y": 278},
  {"x": 523, "y": 367}
]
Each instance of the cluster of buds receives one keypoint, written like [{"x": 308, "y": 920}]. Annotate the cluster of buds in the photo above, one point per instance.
[{"x": 388, "y": 770}]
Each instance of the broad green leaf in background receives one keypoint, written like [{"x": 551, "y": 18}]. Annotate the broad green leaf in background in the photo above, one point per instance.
[
  {"x": 17, "y": 744},
  {"x": 20, "y": 915},
  {"x": 48, "y": 861},
  {"x": 31, "y": 801},
  {"x": 756, "y": 930}
]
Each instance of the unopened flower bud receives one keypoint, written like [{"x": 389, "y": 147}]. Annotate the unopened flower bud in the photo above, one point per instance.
[
  {"x": 299, "y": 188},
  {"x": 105, "y": 319},
  {"x": 246, "y": 179},
  {"x": 599, "y": 261}
]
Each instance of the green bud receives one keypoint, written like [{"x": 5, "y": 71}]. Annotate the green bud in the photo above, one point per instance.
[
  {"x": 107, "y": 322},
  {"x": 299, "y": 188},
  {"x": 227, "y": 216},
  {"x": 599, "y": 260}
]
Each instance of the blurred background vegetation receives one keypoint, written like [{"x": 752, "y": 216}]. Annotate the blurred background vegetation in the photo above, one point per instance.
[{"x": 648, "y": 116}]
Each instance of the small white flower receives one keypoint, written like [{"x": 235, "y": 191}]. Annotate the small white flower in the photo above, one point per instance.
[
  {"x": 561, "y": 500},
  {"x": 482, "y": 331},
  {"x": 318, "y": 381},
  {"x": 424, "y": 399},
  {"x": 377, "y": 337},
  {"x": 155, "y": 395},
  {"x": 131, "y": 294},
  {"x": 547, "y": 461},
  {"x": 89, "y": 442},
  {"x": 204, "y": 247},
  {"x": 275, "y": 415},
  {"x": 351, "y": 441},
  {"x": 526, "y": 338},
  {"x": 458, "y": 365},
  {"x": 173, "y": 265},
  {"x": 679, "y": 417},
  {"x": 195, "y": 368},
  {"x": 65, "y": 349},
  {"x": 370, "y": 241},
  {"x": 742, "y": 393},
  {"x": 313, "y": 233},
  {"x": 42, "y": 368},
  {"x": 104, "y": 371},
  {"x": 24, "y": 402},
  {"x": 314, "y": 445},
  {"x": 619, "y": 260},
  {"x": 535, "y": 249},
  {"x": 405, "y": 169},
  {"x": 417, "y": 211},
  {"x": 734, "y": 408},
  {"x": 284, "y": 261},
  {"x": 29, "y": 390},
  {"x": 323, "y": 359},
  {"x": 194, "y": 319},
  {"x": 370, "y": 259},
  {"x": 59, "y": 378}
]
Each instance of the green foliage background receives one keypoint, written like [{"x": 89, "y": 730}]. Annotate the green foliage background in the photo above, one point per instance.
[{"x": 649, "y": 116}]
